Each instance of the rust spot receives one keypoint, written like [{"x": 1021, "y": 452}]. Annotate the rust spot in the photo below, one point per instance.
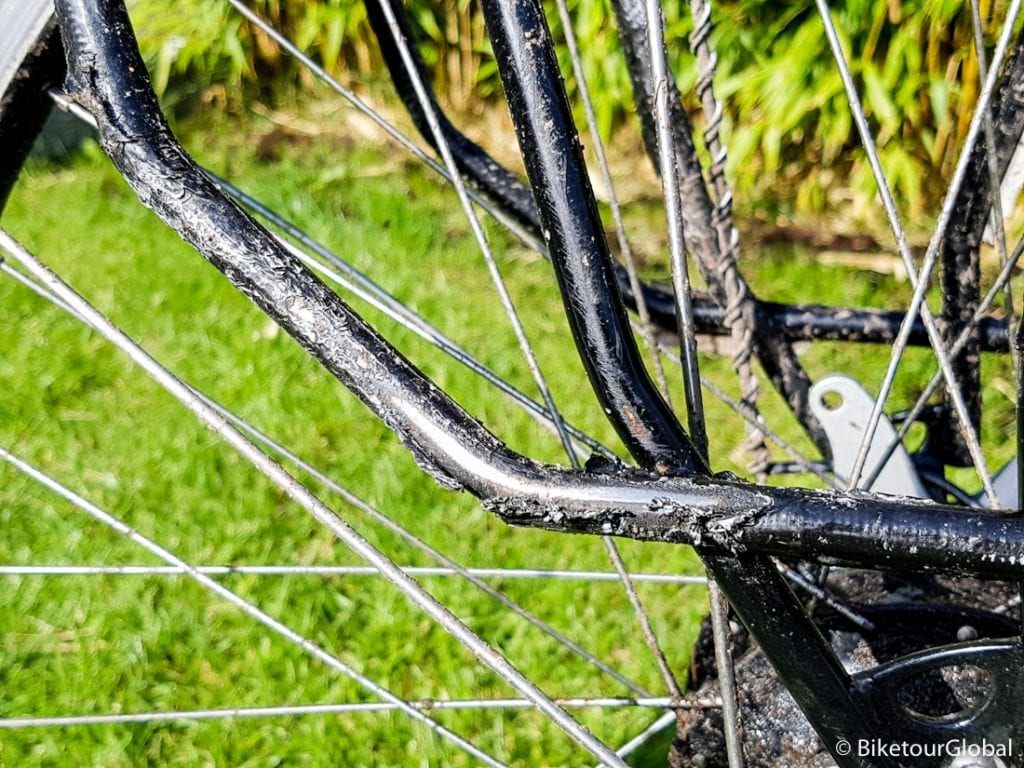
[{"x": 636, "y": 426}]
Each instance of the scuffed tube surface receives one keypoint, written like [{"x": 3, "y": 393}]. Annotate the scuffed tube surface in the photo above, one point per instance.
[{"x": 108, "y": 76}]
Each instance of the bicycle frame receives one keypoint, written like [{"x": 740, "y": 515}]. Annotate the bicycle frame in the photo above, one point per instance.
[{"x": 735, "y": 526}]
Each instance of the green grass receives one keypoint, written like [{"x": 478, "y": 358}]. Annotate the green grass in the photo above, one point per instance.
[{"x": 77, "y": 409}]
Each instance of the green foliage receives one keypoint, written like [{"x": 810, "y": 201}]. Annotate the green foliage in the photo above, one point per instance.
[
  {"x": 79, "y": 410},
  {"x": 205, "y": 49},
  {"x": 786, "y": 112},
  {"x": 915, "y": 68}
]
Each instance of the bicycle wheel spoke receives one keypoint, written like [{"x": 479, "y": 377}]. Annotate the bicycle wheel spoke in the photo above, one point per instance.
[
  {"x": 918, "y": 280},
  {"x": 346, "y": 571},
  {"x": 756, "y": 421},
  {"x": 383, "y": 520},
  {"x": 677, "y": 247},
  {"x": 441, "y": 141},
  {"x": 361, "y": 707},
  {"x": 998, "y": 221},
  {"x": 726, "y": 675},
  {"x": 526, "y": 237},
  {"x": 688, "y": 343},
  {"x": 895, "y": 225},
  {"x": 367, "y": 290},
  {"x": 411, "y": 321},
  {"x": 819, "y": 593},
  {"x": 507, "y": 304},
  {"x": 239, "y": 602},
  {"x": 741, "y": 410},
  {"x": 646, "y": 325},
  {"x": 1001, "y": 281},
  {"x": 440, "y": 557},
  {"x": 650, "y": 731},
  {"x": 640, "y": 613},
  {"x": 362, "y": 286},
  {"x": 298, "y": 493}
]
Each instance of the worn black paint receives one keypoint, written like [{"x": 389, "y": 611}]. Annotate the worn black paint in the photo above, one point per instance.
[
  {"x": 575, "y": 236},
  {"x": 733, "y": 523},
  {"x": 771, "y": 346},
  {"x": 550, "y": 148},
  {"x": 961, "y": 258}
]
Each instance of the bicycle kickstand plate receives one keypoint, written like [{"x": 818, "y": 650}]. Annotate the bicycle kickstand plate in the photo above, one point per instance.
[{"x": 843, "y": 407}]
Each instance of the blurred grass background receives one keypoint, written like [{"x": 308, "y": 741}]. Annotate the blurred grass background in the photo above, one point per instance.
[{"x": 76, "y": 408}]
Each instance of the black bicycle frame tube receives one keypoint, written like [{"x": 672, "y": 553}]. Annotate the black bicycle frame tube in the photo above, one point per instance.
[
  {"x": 737, "y": 520},
  {"x": 961, "y": 257},
  {"x": 579, "y": 252},
  {"x": 771, "y": 347},
  {"x": 108, "y": 77},
  {"x": 551, "y": 150},
  {"x": 501, "y": 186},
  {"x": 814, "y": 322}
]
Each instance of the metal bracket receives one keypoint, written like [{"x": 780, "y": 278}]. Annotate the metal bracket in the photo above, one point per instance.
[{"x": 844, "y": 407}]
